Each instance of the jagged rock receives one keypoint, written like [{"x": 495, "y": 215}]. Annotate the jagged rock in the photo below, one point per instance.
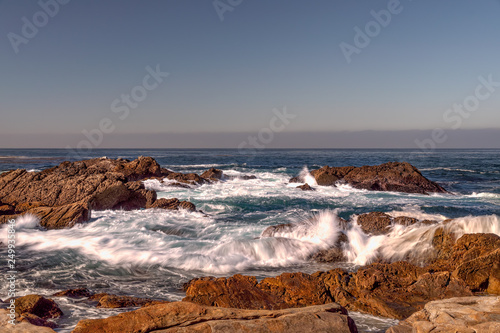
[
  {"x": 173, "y": 204},
  {"x": 188, "y": 317},
  {"x": 305, "y": 187},
  {"x": 391, "y": 176},
  {"x": 238, "y": 291},
  {"x": 40, "y": 306},
  {"x": 187, "y": 178},
  {"x": 276, "y": 229},
  {"x": 212, "y": 174},
  {"x": 65, "y": 194},
  {"x": 461, "y": 314},
  {"x": 378, "y": 223},
  {"x": 333, "y": 254}
]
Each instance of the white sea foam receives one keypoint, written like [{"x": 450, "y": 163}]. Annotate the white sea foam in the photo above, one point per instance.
[
  {"x": 307, "y": 177},
  {"x": 414, "y": 242}
]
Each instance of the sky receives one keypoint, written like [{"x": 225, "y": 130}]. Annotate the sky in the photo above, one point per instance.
[{"x": 195, "y": 74}]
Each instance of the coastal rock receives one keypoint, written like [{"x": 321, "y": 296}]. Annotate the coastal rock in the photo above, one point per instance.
[
  {"x": 39, "y": 306},
  {"x": 212, "y": 174},
  {"x": 173, "y": 204},
  {"x": 188, "y": 317},
  {"x": 65, "y": 194},
  {"x": 305, "y": 187},
  {"x": 391, "y": 176},
  {"x": 296, "y": 289},
  {"x": 23, "y": 324},
  {"x": 462, "y": 314},
  {"x": 238, "y": 291},
  {"x": 378, "y": 223}
]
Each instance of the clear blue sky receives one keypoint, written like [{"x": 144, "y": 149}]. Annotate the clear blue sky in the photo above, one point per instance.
[{"x": 227, "y": 76}]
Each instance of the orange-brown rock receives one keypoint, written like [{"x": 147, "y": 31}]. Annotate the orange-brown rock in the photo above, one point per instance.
[
  {"x": 65, "y": 194},
  {"x": 238, "y": 291},
  {"x": 187, "y": 317},
  {"x": 37, "y": 305},
  {"x": 391, "y": 176}
]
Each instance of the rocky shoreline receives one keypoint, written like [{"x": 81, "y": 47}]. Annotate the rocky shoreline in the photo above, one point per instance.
[{"x": 417, "y": 288}]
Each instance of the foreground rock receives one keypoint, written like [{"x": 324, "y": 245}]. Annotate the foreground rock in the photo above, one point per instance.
[
  {"x": 39, "y": 306},
  {"x": 390, "y": 290},
  {"x": 22, "y": 325},
  {"x": 464, "y": 314},
  {"x": 65, "y": 195},
  {"x": 188, "y": 317},
  {"x": 391, "y": 176}
]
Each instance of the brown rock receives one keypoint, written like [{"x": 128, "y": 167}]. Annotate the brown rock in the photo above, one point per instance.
[
  {"x": 462, "y": 314},
  {"x": 376, "y": 223},
  {"x": 40, "y": 306},
  {"x": 391, "y": 176},
  {"x": 64, "y": 195},
  {"x": 23, "y": 324},
  {"x": 188, "y": 317},
  {"x": 173, "y": 204},
  {"x": 212, "y": 174},
  {"x": 306, "y": 187},
  {"x": 238, "y": 291},
  {"x": 296, "y": 289}
]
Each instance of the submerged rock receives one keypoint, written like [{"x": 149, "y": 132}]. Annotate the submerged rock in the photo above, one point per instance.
[
  {"x": 188, "y": 317},
  {"x": 65, "y": 195},
  {"x": 391, "y": 176}
]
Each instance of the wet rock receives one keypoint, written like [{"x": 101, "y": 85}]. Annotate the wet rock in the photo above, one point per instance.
[
  {"x": 188, "y": 317},
  {"x": 212, "y": 174},
  {"x": 187, "y": 178},
  {"x": 333, "y": 254},
  {"x": 173, "y": 204},
  {"x": 65, "y": 194},
  {"x": 463, "y": 314},
  {"x": 391, "y": 176},
  {"x": 74, "y": 293},
  {"x": 375, "y": 223},
  {"x": 273, "y": 230},
  {"x": 40, "y": 306},
  {"x": 306, "y": 187}
]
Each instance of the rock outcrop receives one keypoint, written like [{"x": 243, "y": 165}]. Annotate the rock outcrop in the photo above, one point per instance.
[
  {"x": 65, "y": 195},
  {"x": 188, "y": 317},
  {"x": 37, "y": 305},
  {"x": 391, "y": 176},
  {"x": 463, "y": 314},
  {"x": 391, "y": 290}
]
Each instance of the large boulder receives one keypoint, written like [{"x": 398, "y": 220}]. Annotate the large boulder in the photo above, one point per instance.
[
  {"x": 463, "y": 314},
  {"x": 188, "y": 317},
  {"x": 65, "y": 194},
  {"x": 391, "y": 176}
]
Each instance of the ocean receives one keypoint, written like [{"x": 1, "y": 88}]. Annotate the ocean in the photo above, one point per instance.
[{"x": 152, "y": 253}]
